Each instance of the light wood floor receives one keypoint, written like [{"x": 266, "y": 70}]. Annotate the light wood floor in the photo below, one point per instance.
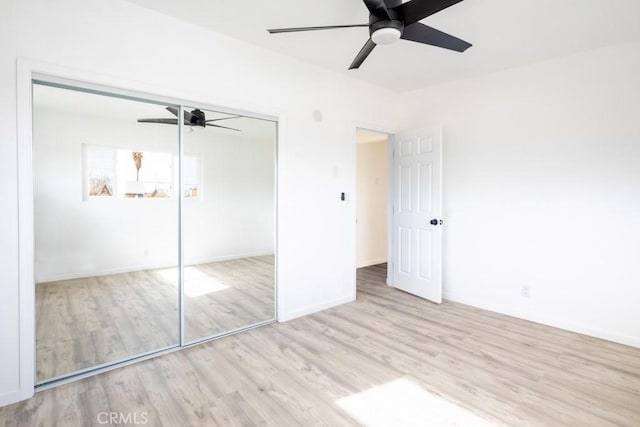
[
  {"x": 386, "y": 352},
  {"x": 87, "y": 322}
]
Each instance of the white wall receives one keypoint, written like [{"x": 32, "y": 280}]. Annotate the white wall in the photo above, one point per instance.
[
  {"x": 235, "y": 216},
  {"x": 542, "y": 189},
  {"x": 147, "y": 50},
  {"x": 232, "y": 217},
  {"x": 371, "y": 190}
]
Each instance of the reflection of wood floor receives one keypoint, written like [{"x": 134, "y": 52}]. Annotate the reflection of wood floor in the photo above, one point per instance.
[
  {"x": 86, "y": 322},
  {"x": 387, "y": 355}
]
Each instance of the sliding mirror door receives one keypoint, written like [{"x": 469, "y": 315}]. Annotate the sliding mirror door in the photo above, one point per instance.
[
  {"x": 148, "y": 235},
  {"x": 228, "y": 222},
  {"x": 106, "y": 230}
]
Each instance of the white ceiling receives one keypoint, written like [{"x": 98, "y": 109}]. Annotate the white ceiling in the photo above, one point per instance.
[{"x": 505, "y": 33}]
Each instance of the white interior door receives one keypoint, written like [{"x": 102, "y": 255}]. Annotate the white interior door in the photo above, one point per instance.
[{"x": 416, "y": 252}]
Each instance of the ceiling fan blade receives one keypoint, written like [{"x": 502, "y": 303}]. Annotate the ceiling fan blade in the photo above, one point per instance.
[
  {"x": 223, "y": 127},
  {"x": 165, "y": 121},
  {"x": 187, "y": 114},
  {"x": 415, "y": 10},
  {"x": 326, "y": 27},
  {"x": 223, "y": 118},
  {"x": 189, "y": 118},
  {"x": 377, "y": 8},
  {"x": 362, "y": 55},
  {"x": 421, "y": 33}
]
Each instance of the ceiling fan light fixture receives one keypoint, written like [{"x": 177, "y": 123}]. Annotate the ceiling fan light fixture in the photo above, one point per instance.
[
  {"x": 386, "y": 36},
  {"x": 390, "y": 20}
]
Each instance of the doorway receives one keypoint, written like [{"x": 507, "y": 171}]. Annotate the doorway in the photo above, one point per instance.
[
  {"x": 154, "y": 224},
  {"x": 401, "y": 213},
  {"x": 372, "y": 174}
]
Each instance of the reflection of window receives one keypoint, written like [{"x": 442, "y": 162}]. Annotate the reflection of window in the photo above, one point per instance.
[
  {"x": 154, "y": 179},
  {"x": 191, "y": 178},
  {"x": 113, "y": 172},
  {"x": 100, "y": 171}
]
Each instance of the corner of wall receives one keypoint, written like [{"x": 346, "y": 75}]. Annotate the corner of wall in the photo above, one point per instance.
[
  {"x": 314, "y": 308},
  {"x": 547, "y": 320}
]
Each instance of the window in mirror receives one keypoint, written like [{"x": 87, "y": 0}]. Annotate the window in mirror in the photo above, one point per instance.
[{"x": 113, "y": 172}]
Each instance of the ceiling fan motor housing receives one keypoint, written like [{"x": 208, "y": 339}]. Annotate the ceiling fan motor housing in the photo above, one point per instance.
[
  {"x": 385, "y": 31},
  {"x": 197, "y": 118}
]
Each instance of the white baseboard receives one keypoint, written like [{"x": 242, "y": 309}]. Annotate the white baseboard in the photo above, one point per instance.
[
  {"x": 228, "y": 257},
  {"x": 132, "y": 269},
  {"x": 314, "y": 308},
  {"x": 15, "y": 396},
  {"x": 547, "y": 320}
]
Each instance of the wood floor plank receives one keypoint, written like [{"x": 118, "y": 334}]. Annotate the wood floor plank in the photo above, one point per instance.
[
  {"x": 501, "y": 370},
  {"x": 82, "y": 323}
]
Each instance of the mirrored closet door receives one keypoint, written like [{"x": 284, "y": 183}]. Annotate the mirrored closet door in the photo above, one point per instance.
[
  {"x": 150, "y": 234},
  {"x": 228, "y": 222}
]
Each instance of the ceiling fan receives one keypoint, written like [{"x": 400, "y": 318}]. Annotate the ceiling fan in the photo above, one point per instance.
[
  {"x": 390, "y": 20},
  {"x": 193, "y": 118}
]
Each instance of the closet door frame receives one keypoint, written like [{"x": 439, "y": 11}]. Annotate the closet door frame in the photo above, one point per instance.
[{"x": 30, "y": 72}]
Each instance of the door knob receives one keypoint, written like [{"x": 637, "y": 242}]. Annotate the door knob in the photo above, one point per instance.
[{"x": 435, "y": 222}]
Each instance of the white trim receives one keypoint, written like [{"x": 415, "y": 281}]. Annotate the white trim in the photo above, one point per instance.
[
  {"x": 26, "y": 71},
  {"x": 391, "y": 191},
  {"x": 26, "y": 288},
  {"x": 99, "y": 82},
  {"x": 372, "y": 127},
  {"x": 133, "y": 269},
  {"x": 547, "y": 320},
  {"x": 26, "y": 294},
  {"x": 314, "y": 308},
  {"x": 228, "y": 258},
  {"x": 280, "y": 295},
  {"x": 181, "y": 312}
]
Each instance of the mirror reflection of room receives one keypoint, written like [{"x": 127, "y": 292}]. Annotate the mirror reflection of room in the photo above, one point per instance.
[
  {"x": 228, "y": 223},
  {"x": 108, "y": 187}
]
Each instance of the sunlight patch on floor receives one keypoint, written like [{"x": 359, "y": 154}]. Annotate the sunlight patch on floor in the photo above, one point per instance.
[
  {"x": 196, "y": 281},
  {"x": 403, "y": 403},
  {"x": 168, "y": 275}
]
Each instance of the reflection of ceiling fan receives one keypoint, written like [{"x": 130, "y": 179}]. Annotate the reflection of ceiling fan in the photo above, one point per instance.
[
  {"x": 390, "y": 20},
  {"x": 194, "y": 118}
]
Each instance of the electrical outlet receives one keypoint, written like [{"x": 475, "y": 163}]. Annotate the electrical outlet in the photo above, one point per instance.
[{"x": 525, "y": 291}]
